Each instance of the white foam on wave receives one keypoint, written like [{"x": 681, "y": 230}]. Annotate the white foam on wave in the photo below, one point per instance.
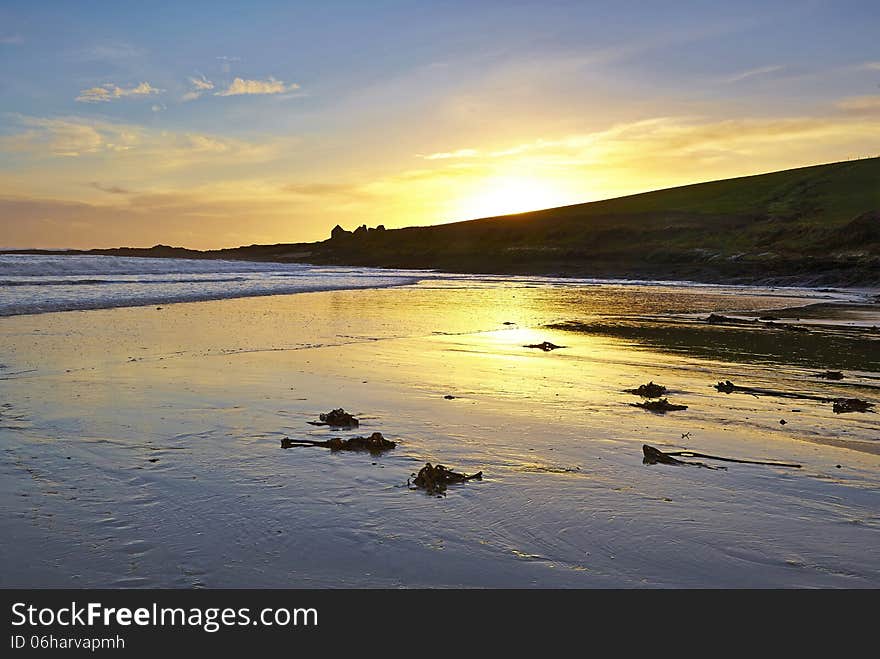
[{"x": 45, "y": 283}]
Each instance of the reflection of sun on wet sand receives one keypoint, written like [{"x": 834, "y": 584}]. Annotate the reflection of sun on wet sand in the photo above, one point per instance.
[{"x": 143, "y": 446}]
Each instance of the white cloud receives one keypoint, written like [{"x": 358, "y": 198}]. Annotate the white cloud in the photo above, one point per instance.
[
  {"x": 110, "y": 92},
  {"x": 201, "y": 85},
  {"x": 241, "y": 87},
  {"x": 751, "y": 73}
]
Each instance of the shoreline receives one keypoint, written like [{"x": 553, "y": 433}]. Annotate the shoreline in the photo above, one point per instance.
[
  {"x": 130, "y": 411},
  {"x": 807, "y": 272}
]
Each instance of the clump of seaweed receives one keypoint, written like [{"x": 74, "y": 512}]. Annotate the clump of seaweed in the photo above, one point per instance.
[
  {"x": 337, "y": 418},
  {"x": 546, "y": 346},
  {"x": 844, "y": 405},
  {"x": 829, "y": 375},
  {"x": 434, "y": 480},
  {"x": 726, "y": 387},
  {"x": 649, "y": 390},
  {"x": 375, "y": 443},
  {"x": 661, "y": 406},
  {"x": 718, "y": 319}
]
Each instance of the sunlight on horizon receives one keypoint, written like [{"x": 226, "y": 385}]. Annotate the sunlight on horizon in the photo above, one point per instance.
[{"x": 507, "y": 195}]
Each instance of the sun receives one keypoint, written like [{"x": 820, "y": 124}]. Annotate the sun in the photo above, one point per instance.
[{"x": 505, "y": 195}]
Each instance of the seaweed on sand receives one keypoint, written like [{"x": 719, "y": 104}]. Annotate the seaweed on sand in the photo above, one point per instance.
[
  {"x": 718, "y": 319},
  {"x": 375, "y": 443},
  {"x": 844, "y": 405},
  {"x": 435, "y": 479},
  {"x": 649, "y": 390},
  {"x": 654, "y": 456},
  {"x": 546, "y": 346},
  {"x": 728, "y": 387},
  {"x": 829, "y": 375},
  {"x": 661, "y": 406},
  {"x": 337, "y": 418}
]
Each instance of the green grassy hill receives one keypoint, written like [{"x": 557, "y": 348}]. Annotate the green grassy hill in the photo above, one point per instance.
[{"x": 821, "y": 221}]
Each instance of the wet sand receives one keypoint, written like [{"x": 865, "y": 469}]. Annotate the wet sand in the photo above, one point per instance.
[{"x": 141, "y": 446}]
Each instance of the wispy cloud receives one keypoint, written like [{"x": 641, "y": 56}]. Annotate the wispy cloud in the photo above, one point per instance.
[
  {"x": 870, "y": 66},
  {"x": 110, "y": 52},
  {"x": 226, "y": 62},
  {"x": 241, "y": 87},
  {"x": 70, "y": 137},
  {"x": 12, "y": 40},
  {"x": 110, "y": 189},
  {"x": 200, "y": 86},
  {"x": 202, "y": 83},
  {"x": 447, "y": 155},
  {"x": 110, "y": 92},
  {"x": 140, "y": 147},
  {"x": 753, "y": 73},
  {"x": 861, "y": 104},
  {"x": 351, "y": 191},
  {"x": 664, "y": 151}
]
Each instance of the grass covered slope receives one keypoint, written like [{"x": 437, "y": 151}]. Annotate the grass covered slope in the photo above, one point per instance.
[{"x": 820, "y": 222}]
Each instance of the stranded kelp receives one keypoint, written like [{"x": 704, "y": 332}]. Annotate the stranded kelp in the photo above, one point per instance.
[
  {"x": 661, "y": 406},
  {"x": 546, "y": 346},
  {"x": 337, "y": 418},
  {"x": 649, "y": 390},
  {"x": 654, "y": 456},
  {"x": 844, "y": 405},
  {"x": 728, "y": 387},
  {"x": 375, "y": 443},
  {"x": 434, "y": 480},
  {"x": 840, "y": 405}
]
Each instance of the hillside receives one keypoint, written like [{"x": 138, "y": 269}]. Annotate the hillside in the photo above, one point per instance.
[
  {"x": 814, "y": 225},
  {"x": 821, "y": 221}
]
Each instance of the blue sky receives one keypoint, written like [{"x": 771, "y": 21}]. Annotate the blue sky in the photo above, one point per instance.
[{"x": 230, "y": 122}]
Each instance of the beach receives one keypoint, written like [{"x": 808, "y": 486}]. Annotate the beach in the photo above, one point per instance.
[{"x": 141, "y": 445}]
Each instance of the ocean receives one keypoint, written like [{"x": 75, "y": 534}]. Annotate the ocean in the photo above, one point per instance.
[{"x": 45, "y": 283}]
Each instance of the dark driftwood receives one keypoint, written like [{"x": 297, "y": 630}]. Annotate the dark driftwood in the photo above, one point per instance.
[
  {"x": 728, "y": 387},
  {"x": 375, "y": 443},
  {"x": 435, "y": 479},
  {"x": 656, "y": 456}
]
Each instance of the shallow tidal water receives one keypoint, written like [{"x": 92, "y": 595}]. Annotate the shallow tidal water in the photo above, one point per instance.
[{"x": 140, "y": 447}]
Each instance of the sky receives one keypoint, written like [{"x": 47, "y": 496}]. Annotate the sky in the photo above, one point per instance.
[{"x": 218, "y": 124}]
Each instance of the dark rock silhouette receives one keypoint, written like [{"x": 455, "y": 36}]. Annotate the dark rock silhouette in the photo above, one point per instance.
[{"x": 338, "y": 233}]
